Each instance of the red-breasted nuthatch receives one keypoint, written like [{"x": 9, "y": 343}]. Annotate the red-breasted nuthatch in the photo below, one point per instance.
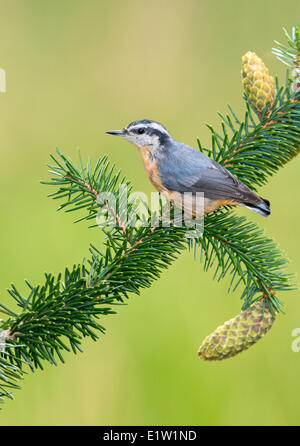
[{"x": 175, "y": 168}]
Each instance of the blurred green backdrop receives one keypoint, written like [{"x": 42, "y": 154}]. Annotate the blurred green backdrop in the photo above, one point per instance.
[{"x": 75, "y": 69}]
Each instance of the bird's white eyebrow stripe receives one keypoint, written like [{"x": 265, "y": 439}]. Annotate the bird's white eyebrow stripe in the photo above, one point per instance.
[
  {"x": 152, "y": 125},
  {"x": 159, "y": 127}
]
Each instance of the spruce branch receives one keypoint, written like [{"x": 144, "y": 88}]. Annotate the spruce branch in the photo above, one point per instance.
[
  {"x": 254, "y": 151},
  {"x": 55, "y": 316},
  {"x": 233, "y": 245},
  {"x": 289, "y": 54}
]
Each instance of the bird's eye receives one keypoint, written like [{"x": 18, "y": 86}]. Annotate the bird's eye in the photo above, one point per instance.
[{"x": 141, "y": 131}]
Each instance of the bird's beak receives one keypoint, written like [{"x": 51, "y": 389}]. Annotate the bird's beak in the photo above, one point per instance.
[{"x": 116, "y": 132}]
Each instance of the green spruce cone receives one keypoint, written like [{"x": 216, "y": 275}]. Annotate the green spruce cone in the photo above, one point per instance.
[
  {"x": 237, "y": 334},
  {"x": 259, "y": 85}
]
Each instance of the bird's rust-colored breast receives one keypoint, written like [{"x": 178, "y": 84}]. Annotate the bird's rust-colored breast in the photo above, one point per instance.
[{"x": 151, "y": 168}]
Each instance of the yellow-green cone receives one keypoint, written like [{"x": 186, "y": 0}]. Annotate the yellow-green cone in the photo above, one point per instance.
[
  {"x": 237, "y": 334},
  {"x": 259, "y": 85}
]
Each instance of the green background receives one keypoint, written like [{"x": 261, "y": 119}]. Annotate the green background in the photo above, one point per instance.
[{"x": 75, "y": 69}]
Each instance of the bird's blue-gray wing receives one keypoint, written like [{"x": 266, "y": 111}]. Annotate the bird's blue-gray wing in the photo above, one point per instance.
[{"x": 184, "y": 169}]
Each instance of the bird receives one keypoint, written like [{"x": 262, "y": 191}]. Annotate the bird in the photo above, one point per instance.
[{"x": 175, "y": 168}]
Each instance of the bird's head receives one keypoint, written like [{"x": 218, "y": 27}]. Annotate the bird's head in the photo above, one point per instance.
[{"x": 144, "y": 133}]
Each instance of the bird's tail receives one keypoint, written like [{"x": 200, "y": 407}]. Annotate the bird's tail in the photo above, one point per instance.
[{"x": 262, "y": 208}]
